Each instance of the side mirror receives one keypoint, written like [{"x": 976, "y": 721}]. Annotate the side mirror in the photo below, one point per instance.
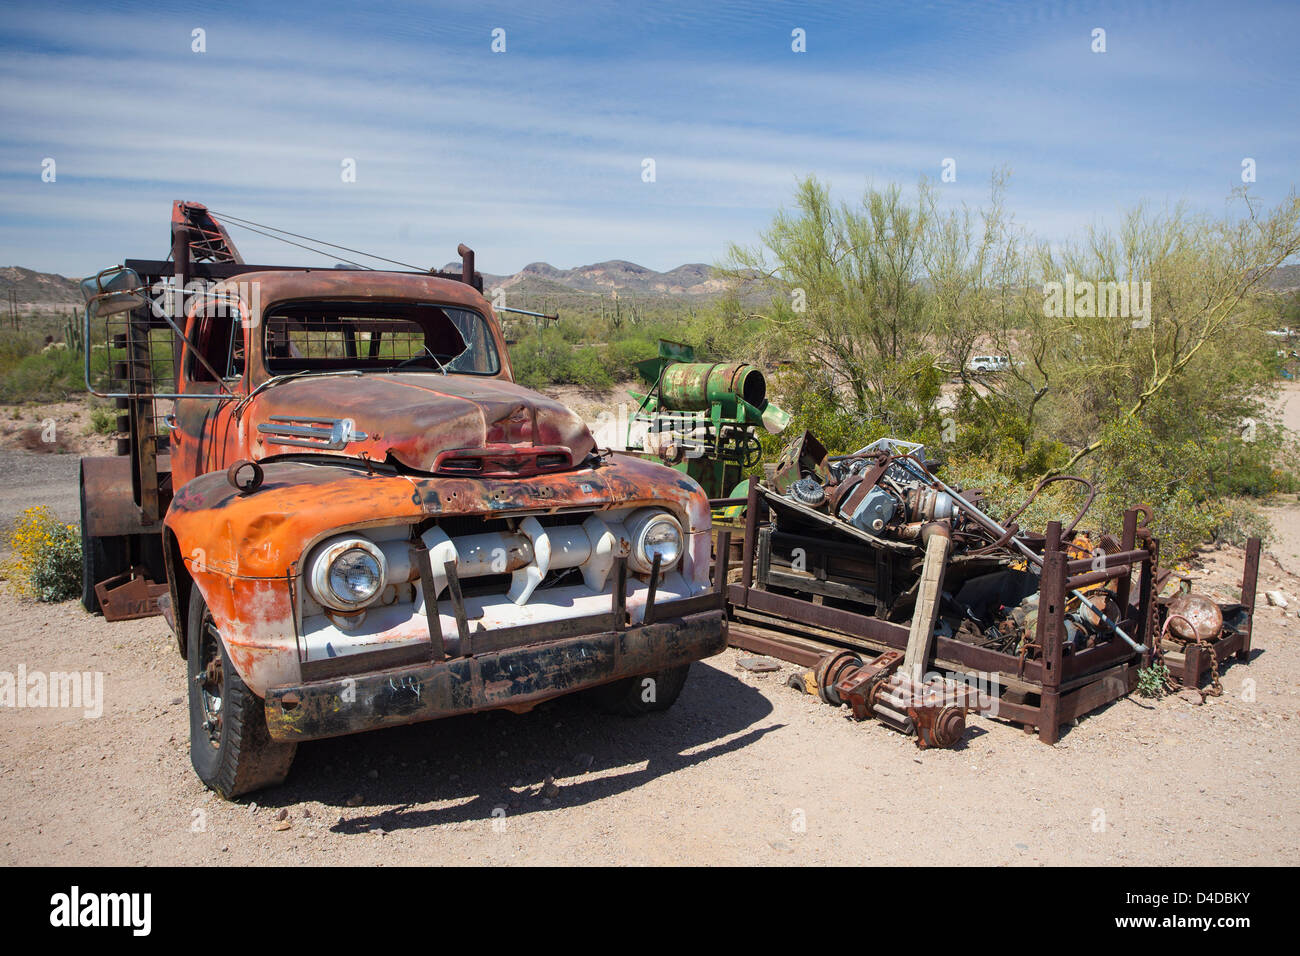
[{"x": 114, "y": 290}]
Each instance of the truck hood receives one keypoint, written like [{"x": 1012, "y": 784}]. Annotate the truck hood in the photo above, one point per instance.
[{"x": 411, "y": 417}]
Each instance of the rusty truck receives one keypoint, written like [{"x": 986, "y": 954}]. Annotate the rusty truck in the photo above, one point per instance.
[{"x": 352, "y": 517}]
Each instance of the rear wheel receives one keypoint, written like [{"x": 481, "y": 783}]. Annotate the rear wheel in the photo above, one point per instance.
[
  {"x": 230, "y": 747},
  {"x": 634, "y": 696}
]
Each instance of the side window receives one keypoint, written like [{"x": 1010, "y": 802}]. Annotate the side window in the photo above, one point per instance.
[
  {"x": 235, "y": 353},
  {"x": 220, "y": 340}
]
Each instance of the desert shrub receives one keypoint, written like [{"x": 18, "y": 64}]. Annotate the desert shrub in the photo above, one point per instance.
[
  {"x": 541, "y": 358},
  {"x": 43, "y": 377},
  {"x": 1135, "y": 464},
  {"x": 1153, "y": 681},
  {"x": 45, "y": 440},
  {"x": 1004, "y": 493},
  {"x": 621, "y": 356},
  {"x": 1240, "y": 522},
  {"x": 46, "y": 562},
  {"x": 589, "y": 370},
  {"x": 103, "y": 420}
]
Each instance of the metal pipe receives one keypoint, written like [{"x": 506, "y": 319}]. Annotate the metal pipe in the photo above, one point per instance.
[
  {"x": 466, "y": 263},
  {"x": 992, "y": 526},
  {"x": 540, "y": 315}
]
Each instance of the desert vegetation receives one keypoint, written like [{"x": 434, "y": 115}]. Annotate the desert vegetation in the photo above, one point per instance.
[{"x": 1140, "y": 357}]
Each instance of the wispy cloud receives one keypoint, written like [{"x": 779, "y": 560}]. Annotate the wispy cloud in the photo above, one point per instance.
[{"x": 537, "y": 153}]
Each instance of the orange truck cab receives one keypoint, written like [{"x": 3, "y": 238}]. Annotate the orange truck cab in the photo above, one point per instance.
[{"x": 362, "y": 521}]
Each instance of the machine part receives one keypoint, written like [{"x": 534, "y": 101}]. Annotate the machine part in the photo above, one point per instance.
[
  {"x": 1194, "y": 617},
  {"x": 935, "y": 713},
  {"x": 845, "y": 678},
  {"x": 868, "y": 510},
  {"x": 245, "y": 475},
  {"x": 809, "y": 491},
  {"x": 827, "y": 674},
  {"x": 701, "y": 417},
  {"x": 941, "y": 727},
  {"x": 926, "y": 504},
  {"x": 803, "y": 456},
  {"x": 130, "y": 595},
  {"x": 1008, "y": 536},
  {"x": 694, "y": 386}
]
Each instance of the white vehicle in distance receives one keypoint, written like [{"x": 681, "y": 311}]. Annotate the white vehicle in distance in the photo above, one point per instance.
[{"x": 989, "y": 363}]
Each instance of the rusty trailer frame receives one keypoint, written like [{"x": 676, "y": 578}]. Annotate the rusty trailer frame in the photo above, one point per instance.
[{"x": 1067, "y": 683}]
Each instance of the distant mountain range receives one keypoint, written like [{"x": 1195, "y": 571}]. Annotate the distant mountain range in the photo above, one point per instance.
[
  {"x": 37, "y": 289},
  {"x": 617, "y": 275},
  {"x": 695, "y": 280},
  {"x": 46, "y": 289},
  {"x": 1286, "y": 278}
]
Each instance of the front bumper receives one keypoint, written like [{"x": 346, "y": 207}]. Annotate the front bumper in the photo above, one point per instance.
[{"x": 507, "y": 677}]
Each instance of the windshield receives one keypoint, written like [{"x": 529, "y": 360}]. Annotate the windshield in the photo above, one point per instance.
[{"x": 319, "y": 335}]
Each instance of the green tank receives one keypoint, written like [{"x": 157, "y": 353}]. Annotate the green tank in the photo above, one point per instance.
[{"x": 701, "y": 417}]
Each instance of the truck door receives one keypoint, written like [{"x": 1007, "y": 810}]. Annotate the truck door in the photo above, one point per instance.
[{"x": 206, "y": 437}]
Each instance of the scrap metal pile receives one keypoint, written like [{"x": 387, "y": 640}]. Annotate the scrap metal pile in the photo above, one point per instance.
[
  {"x": 874, "y": 546},
  {"x": 886, "y": 496}
]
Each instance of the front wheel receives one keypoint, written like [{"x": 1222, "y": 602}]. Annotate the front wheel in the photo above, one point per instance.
[
  {"x": 634, "y": 696},
  {"x": 230, "y": 747}
]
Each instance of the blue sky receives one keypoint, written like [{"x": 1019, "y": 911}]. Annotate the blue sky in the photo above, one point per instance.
[{"x": 537, "y": 153}]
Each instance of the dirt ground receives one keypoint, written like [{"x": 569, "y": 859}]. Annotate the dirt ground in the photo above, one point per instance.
[{"x": 743, "y": 770}]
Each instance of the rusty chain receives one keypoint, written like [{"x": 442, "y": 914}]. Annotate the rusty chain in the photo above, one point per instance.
[{"x": 1216, "y": 686}]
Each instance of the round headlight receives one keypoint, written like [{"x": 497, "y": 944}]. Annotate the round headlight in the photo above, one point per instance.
[
  {"x": 347, "y": 573},
  {"x": 355, "y": 576},
  {"x": 655, "y": 533}
]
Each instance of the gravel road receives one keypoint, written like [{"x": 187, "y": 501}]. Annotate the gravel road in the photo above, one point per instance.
[{"x": 29, "y": 478}]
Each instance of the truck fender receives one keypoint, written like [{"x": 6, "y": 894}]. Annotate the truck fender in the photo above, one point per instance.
[{"x": 179, "y": 587}]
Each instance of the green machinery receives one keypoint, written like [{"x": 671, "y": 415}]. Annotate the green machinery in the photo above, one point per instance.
[{"x": 701, "y": 417}]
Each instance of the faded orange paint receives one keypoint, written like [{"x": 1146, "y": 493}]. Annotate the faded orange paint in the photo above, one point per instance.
[{"x": 245, "y": 552}]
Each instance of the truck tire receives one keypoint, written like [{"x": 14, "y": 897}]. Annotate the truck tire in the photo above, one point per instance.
[
  {"x": 230, "y": 748},
  {"x": 101, "y": 559},
  {"x": 628, "y": 697}
]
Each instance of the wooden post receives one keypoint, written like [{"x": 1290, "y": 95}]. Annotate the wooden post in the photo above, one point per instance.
[
  {"x": 1192, "y": 666},
  {"x": 1249, "y": 580},
  {"x": 1146, "y": 633},
  {"x": 1127, "y": 541},
  {"x": 1051, "y": 620},
  {"x": 751, "y": 526},
  {"x": 929, "y": 592}
]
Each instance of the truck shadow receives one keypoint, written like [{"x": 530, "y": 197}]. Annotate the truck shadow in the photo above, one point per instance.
[{"x": 498, "y": 765}]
